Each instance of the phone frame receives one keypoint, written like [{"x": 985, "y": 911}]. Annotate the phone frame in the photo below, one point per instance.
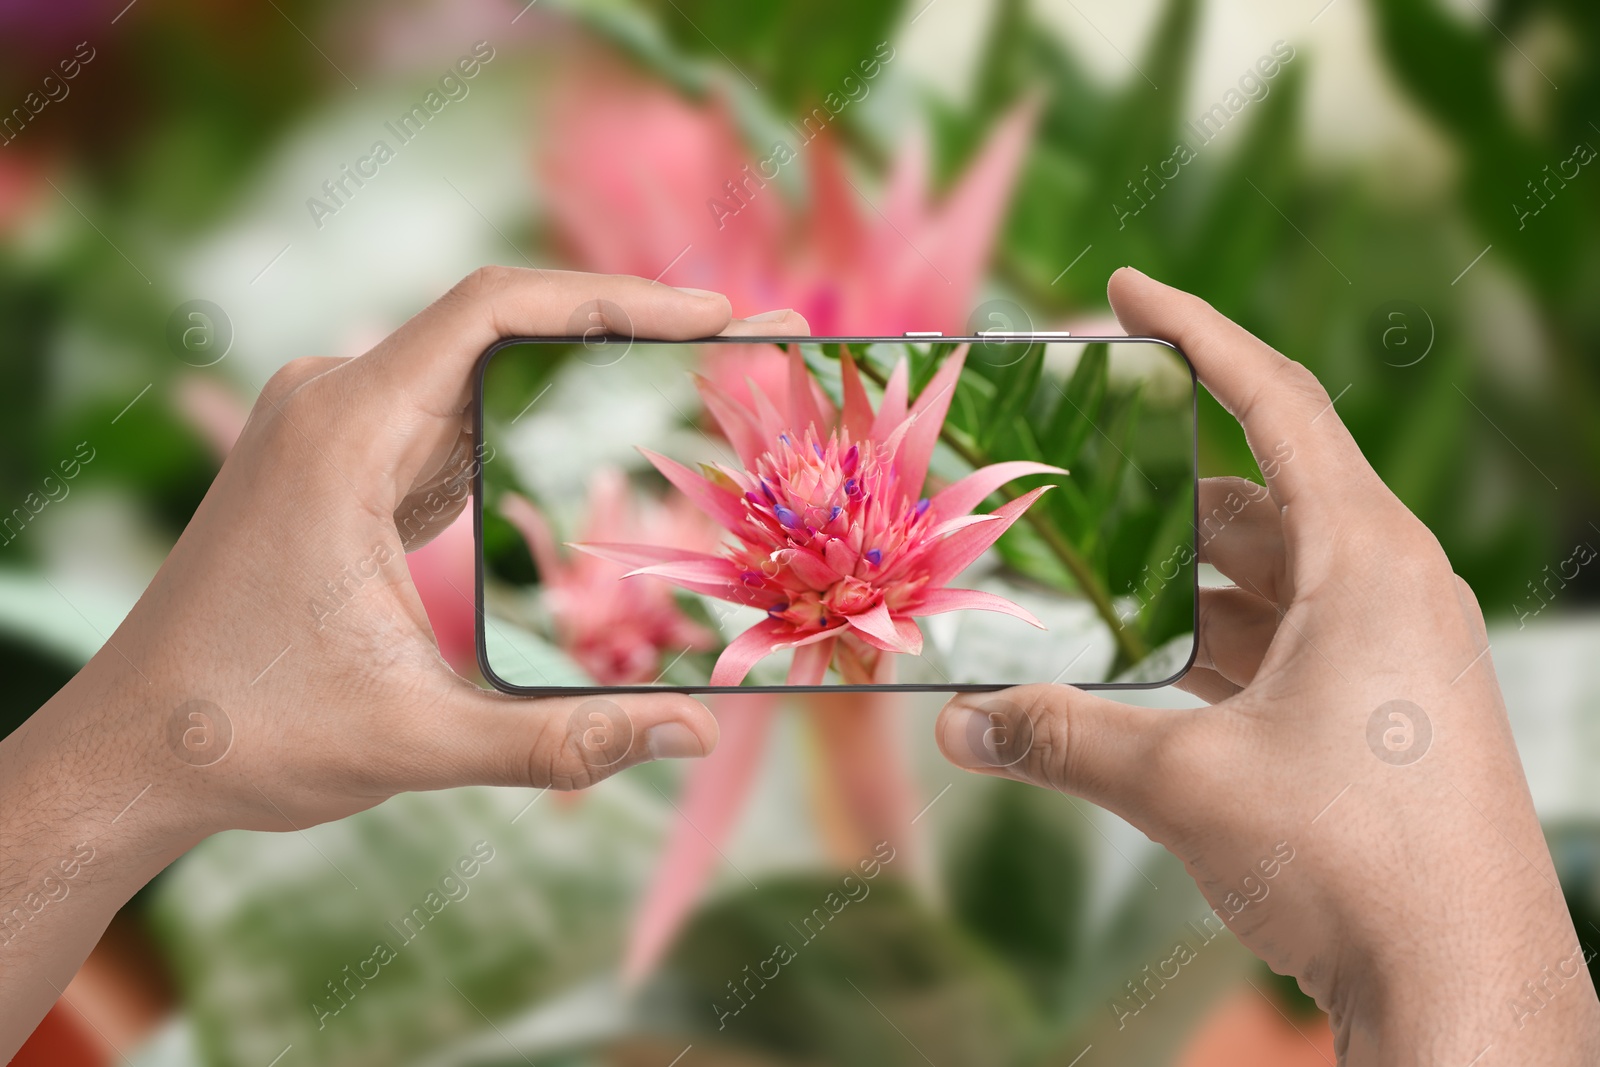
[{"x": 481, "y": 622}]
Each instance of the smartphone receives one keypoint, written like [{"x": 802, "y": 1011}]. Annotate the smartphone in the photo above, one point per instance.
[{"x": 917, "y": 512}]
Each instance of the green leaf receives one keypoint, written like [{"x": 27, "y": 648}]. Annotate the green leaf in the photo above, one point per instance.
[
  {"x": 1073, "y": 420},
  {"x": 1017, "y": 876},
  {"x": 806, "y": 969},
  {"x": 1014, "y": 389}
]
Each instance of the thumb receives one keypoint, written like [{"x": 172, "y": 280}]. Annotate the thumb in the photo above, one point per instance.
[
  {"x": 484, "y": 738},
  {"x": 1061, "y": 738}
]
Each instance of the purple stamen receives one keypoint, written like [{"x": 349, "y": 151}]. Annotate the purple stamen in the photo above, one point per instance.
[
  {"x": 754, "y": 499},
  {"x": 922, "y": 506},
  {"x": 778, "y": 609},
  {"x": 787, "y": 517},
  {"x": 751, "y": 577},
  {"x": 852, "y": 488},
  {"x": 874, "y": 556},
  {"x": 817, "y": 449},
  {"x": 767, "y": 489},
  {"x": 834, "y": 514},
  {"x": 785, "y": 439}
]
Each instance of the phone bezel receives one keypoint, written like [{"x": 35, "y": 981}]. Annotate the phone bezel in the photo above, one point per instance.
[{"x": 480, "y": 620}]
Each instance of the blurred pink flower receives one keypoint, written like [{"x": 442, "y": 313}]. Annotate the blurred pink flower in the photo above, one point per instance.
[
  {"x": 640, "y": 181},
  {"x": 617, "y": 632},
  {"x": 833, "y": 537}
]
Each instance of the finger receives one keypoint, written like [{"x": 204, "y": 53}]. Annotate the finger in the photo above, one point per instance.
[
  {"x": 430, "y": 359},
  {"x": 438, "y": 496},
  {"x": 1241, "y": 534},
  {"x": 563, "y": 743},
  {"x": 1298, "y": 440},
  {"x": 1236, "y": 628},
  {"x": 1062, "y": 738},
  {"x": 785, "y": 323},
  {"x": 1208, "y": 685}
]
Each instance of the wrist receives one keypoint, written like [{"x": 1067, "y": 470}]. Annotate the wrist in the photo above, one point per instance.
[
  {"x": 88, "y": 767},
  {"x": 1508, "y": 986}
]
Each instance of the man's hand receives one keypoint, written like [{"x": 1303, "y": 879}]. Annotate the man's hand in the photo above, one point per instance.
[
  {"x": 343, "y": 466},
  {"x": 1352, "y": 804}
]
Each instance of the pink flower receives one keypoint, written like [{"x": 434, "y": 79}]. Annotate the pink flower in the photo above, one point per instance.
[
  {"x": 616, "y": 632},
  {"x": 640, "y": 181},
  {"x": 833, "y": 536}
]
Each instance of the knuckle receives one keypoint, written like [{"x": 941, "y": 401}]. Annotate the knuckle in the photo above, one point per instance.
[
  {"x": 555, "y": 760},
  {"x": 485, "y": 281},
  {"x": 1300, "y": 381}
]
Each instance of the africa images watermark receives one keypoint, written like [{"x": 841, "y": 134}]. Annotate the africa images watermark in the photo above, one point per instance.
[
  {"x": 54, "y": 489},
  {"x": 52, "y": 889},
  {"x": 1552, "y": 184},
  {"x": 743, "y": 187},
  {"x": 452, "y": 887},
  {"x": 1537, "y": 994},
  {"x": 338, "y": 192},
  {"x": 852, "y": 890},
  {"x": 1582, "y": 555},
  {"x": 51, "y": 90},
  {"x": 1254, "y": 85},
  {"x": 1251, "y": 890}
]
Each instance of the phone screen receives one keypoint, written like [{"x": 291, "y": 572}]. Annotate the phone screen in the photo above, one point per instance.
[{"x": 933, "y": 514}]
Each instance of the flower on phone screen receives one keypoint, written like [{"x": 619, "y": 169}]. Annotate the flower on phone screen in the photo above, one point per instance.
[{"x": 832, "y": 533}]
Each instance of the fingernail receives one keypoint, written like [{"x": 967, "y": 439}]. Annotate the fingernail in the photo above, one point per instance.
[
  {"x": 704, "y": 293},
  {"x": 673, "y": 740},
  {"x": 972, "y": 731},
  {"x": 771, "y": 316}
]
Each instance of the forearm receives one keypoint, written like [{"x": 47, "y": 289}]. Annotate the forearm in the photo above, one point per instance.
[
  {"x": 83, "y": 831},
  {"x": 1510, "y": 989}
]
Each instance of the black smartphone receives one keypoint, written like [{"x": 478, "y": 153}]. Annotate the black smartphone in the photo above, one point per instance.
[{"x": 920, "y": 512}]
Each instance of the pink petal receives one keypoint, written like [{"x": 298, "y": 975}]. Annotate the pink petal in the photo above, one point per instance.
[
  {"x": 960, "y": 522},
  {"x": 839, "y": 555},
  {"x": 721, "y": 504},
  {"x": 862, "y": 737},
  {"x": 857, "y": 416},
  {"x": 609, "y": 514},
  {"x": 639, "y": 555},
  {"x": 737, "y": 423},
  {"x": 746, "y": 650},
  {"x": 713, "y": 799},
  {"x": 771, "y": 419},
  {"x": 961, "y": 235},
  {"x": 835, "y": 222},
  {"x": 804, "y": 413},
  {"x": 939, "y": 601},
  {"x": 529, "y": 522},
  {"x": 810, "y": 663},
  {"x": 948, "y": 558},
  {"x": 933, "y": 403},
  {"x": 892, "y": 412},
  {"x": 962, "y": 496},
  {"x": 809, "y": 567},
  {"x": 878, "y": 627},
  {"x": 443, "y": 573},
  {"x": 713, "y": 577}
]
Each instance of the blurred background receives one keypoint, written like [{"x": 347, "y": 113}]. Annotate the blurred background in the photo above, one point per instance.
[{"x": 1399, "y": 193}]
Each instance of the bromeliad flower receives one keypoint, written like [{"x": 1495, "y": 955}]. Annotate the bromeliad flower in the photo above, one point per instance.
[
  {"x": 832, "y": 535},
  {"x": 615, "y": 633}
]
